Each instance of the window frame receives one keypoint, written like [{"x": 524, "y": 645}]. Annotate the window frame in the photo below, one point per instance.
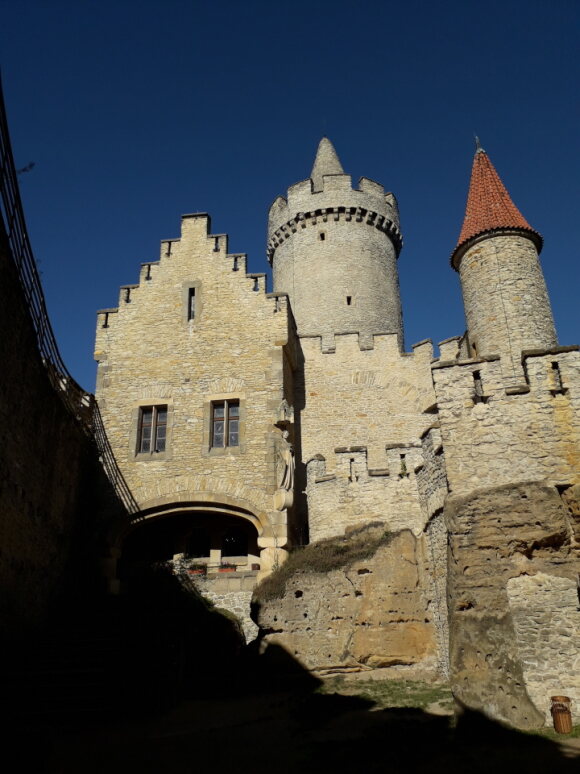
[
  {"x": 135, "y": 434},
  {"x": 231, "y": 416},
  {"x": 157, "y": 428}
]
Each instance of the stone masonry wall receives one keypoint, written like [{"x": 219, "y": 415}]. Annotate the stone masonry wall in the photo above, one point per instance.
[
  {"x": 511, "y": 436},
  {"x": 506, "y": 301},
  {"x": 362, "y": 418},
  {"x": 546, "y": 618},
  {"x": 431, "y": 474},
  {"x": 231, "y": 592},
  {"x": 149, "y": 353},
  {"x": 47, "y": 466},
  {"x": 354, "y": 494}
]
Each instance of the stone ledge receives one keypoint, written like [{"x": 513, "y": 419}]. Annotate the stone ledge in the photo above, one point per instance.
[{"x": 552, "y": 351}]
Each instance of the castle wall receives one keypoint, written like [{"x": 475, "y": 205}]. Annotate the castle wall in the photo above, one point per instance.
[
  {"x": 512, "y": 457},
  {"x": 506, "y": 301},
  {"x": 362, "y": 419},
  {"x": 510, "y": 435},
  {"x": 149, "y": 353},
  {"x": 547, "y": 627},
  {"x": 47, "y": 464}
]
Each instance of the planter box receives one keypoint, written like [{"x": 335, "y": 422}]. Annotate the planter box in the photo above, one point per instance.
[{"x": 227, "y": 569}]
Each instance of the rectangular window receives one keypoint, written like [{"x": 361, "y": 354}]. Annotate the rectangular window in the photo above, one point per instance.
[
  {"x": 152, "y": 433},
  {"x": 191, "y": 304},
  {"x": 225, "y": 423}
]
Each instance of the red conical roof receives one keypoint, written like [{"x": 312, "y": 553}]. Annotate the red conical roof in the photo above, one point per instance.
[{"x": 489, "y": 206}]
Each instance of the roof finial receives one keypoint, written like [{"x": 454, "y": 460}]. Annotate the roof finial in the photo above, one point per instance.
[{"x": 478, "y": 148}]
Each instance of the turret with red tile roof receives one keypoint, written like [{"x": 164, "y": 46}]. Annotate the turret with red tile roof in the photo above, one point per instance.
[{"x": 504, "y": 293}]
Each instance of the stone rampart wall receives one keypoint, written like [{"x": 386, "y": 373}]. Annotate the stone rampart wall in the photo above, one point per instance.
[
  {"x": 47, "y": 469},
  {"x": 509, "y": 435}
]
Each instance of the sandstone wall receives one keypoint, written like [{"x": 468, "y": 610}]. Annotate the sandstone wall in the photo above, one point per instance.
[
  {"x": 503, "y": 653},
  {"x": 47, "y": 465},
  {"x": 513, "y": 434},
  {"x": 361, "y": 419},
  {"x": 149, "y": 353},
  {"x": 506, "y": 301},
  {"x": 377, "y": 612}
]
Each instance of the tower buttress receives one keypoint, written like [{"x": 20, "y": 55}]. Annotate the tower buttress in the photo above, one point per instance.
[
  {"x": 504, "y": 292},
  {"x": 334, "y": 250}
]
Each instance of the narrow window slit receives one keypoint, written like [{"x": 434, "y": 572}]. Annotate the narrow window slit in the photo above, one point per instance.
[
  {"x": 127, "y": 295},
  {"x": 216, "y": 247},
  {"x": 348, "y": 300},
  {"x": 322, "y": 236},
  {"x": 558, "y": 387},
  {"x": 148, "y": 275},
  {"x": 404, "y": 472},
  {"x": 191, "y": 304},
  {"x": 235, "y": 267},
  {"x": 478, "y": 396},
  {"x": 168, "y": 252},
  {"x": 256, "y": 284},
  {"x": 353, "y": 475}
]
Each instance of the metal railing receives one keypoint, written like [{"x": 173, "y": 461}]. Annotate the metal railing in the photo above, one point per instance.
[{"x": 80, "y": 404}]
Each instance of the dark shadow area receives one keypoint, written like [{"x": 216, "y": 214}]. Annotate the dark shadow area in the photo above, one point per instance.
[{"x": 180, "y": 693}]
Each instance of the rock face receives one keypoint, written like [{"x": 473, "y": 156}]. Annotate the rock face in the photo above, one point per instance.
[
  {"x": 373, "y": 612},
  {"x": 507, "y": 547}
]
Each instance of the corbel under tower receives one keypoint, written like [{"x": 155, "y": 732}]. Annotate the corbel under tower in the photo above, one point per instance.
[{"x": 334, "y": 250}]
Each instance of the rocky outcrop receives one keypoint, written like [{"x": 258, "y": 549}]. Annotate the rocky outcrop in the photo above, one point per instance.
[
  {"x": 501, "y": 657},
  {"x": 367, "y": 612}
]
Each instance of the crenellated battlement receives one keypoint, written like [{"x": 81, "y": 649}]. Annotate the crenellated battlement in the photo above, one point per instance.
[
  {"x": 345, "y": 490},
  {"x": 504, "y": 433}
]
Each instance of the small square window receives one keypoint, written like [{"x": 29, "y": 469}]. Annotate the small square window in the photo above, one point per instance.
[
  {"x": 225, "y": 423},
  {"x": 152, "y": 432}
]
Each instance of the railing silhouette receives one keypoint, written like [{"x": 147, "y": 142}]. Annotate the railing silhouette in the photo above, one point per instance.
[{"x": 81, "y": 404}]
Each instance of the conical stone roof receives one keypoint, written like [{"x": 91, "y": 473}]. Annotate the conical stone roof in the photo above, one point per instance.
[{"x": 325, "y": 163}]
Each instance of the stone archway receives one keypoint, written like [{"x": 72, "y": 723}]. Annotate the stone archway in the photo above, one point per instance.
[{"x": 185, "y": 510}]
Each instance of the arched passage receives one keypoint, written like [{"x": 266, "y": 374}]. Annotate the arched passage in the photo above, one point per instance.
[{"x": 211, "y": 533}]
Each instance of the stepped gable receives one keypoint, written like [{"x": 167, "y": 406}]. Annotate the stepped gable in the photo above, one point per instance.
[
  {"x": 489, "y": 207},
  {"x": 325, "y": 163}
]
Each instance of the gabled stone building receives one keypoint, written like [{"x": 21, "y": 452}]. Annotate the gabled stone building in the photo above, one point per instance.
[{"x": 246, "y": 423}]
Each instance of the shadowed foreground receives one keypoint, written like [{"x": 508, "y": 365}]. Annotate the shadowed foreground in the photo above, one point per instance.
[{"x": 291, "y": 727}]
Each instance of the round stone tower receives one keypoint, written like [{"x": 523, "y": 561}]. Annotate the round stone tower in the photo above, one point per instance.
[
  {"x": 504, "y": 293},
  {"x": 334, "y": 250}
]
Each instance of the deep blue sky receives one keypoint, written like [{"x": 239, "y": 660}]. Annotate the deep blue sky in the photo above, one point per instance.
[{"x": 137, "y": 112}]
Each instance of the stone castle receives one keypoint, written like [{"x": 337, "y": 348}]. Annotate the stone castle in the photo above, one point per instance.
[{"x": 246, "y": 423}]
